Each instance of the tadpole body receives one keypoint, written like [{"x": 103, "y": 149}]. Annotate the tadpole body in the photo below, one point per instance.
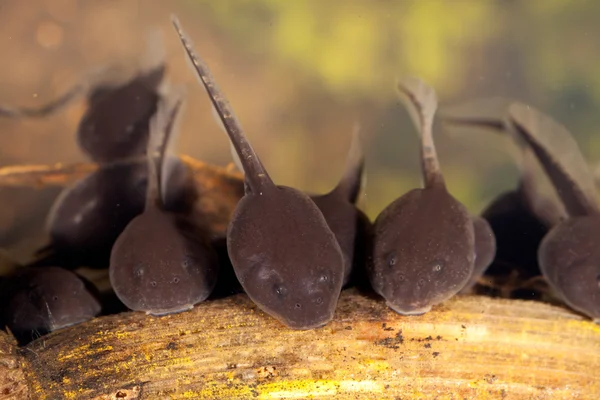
[
  {"x": 423, "y": 244},
  {"x": 36, "y": 301},
  {"x": 283, "y": 252},
  {"x": 162, "y": 262},
  {"x": 518, "y": 232}
]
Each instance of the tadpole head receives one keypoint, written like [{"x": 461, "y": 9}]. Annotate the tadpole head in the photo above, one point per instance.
[
  {"x": 48, "y": 299},
  {"x": 156, "y": 269},
  {"x": 303, "y": 303},
  {"x": 423, "y": 251},
  {"x": 286, "y": 257},
  {"x": 92, "y": 213},
  {"x": 569, "y": 258}
]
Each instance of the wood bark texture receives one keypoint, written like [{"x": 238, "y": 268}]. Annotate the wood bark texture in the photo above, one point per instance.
[{"x": 470, "y": 347}]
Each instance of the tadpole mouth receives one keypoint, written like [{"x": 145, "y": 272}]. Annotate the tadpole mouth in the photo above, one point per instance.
[
  {"x": 56, "y": 325},
  {"x": 174, "y": 310},
  {"x": 307, "y": 324},
  {"x": 408, "y": 309}
]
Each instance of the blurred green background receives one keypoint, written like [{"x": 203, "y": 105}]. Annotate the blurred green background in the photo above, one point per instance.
[{"x": 299, "y": 74}]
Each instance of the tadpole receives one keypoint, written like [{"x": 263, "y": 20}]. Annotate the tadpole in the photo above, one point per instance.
[
  {"x": 42, "y": 300},
  {"x": 162, "y": 262},
  {"x": 423, "y": 245},
  {"x": 284, "y": 254}
]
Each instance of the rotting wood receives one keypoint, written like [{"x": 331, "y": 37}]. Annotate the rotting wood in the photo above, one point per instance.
[{"x": 471, "y": 347}]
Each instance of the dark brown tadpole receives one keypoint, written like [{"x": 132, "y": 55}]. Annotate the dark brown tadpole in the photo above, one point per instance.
[
  {"x": 518, "y": 232},
  {"x": 423, "y": 245},
  {"x": 162, "y": 262},
  {"x": 569, "y": 255},
  {"x": 36, "y": 301},
  {"x": 284, "y": 254},
  {"x": 115, "y": 125}
]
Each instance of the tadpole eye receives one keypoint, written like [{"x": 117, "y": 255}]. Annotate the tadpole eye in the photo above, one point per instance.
[
  {"x": 323, "y": 278},
  {"x": 280, "y": 290},
  {"x": 421, "y": 282},
  {"x": 55, "y": 298},
  {"x": 598, "y": 280},
  {"x": 391, "y": 259},
  {"x": 298, "y": 306},
  {"x": 153, "y": 283}
]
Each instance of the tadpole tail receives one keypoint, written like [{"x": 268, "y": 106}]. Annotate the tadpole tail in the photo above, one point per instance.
[
  {"x": 560, "y": 157},
  {"x": 232, "y": 150},
  {"x": 256, "y": 175},
  {"x": 484, "y": 113},
  {"x": 421, "y": 102},
  {"x": 537, "y": 191},
  {"x": 496, "y": 125},
  {"x": 350, "y": 184},
  {"x": 45, "y": 110},
  {"x": 161, "y": 128}
]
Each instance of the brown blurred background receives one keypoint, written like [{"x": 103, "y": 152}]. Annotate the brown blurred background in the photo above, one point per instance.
[{"x": 299, "y": 74}]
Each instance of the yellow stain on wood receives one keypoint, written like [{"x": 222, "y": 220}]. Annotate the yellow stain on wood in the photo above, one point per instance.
[{"x": 471, "y": 347}]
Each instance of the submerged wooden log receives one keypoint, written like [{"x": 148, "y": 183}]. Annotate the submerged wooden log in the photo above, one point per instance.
[{"x": 471, "y": 347}]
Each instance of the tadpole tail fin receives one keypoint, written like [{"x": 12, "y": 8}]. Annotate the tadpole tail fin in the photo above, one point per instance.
[
  {"x": 48, "y": 108},
  {"x": 256, "y": 175},
  {"x": 162, "y": 126},
  {"x": 421, "y": 102},
  {"x": 560, "y": 157},
  {"x": 232, "y": 150},
  {"x": 351, "y": 182}
]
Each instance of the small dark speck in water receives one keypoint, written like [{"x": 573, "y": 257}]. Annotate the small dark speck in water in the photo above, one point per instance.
[{"x": 435, "y": 353}]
